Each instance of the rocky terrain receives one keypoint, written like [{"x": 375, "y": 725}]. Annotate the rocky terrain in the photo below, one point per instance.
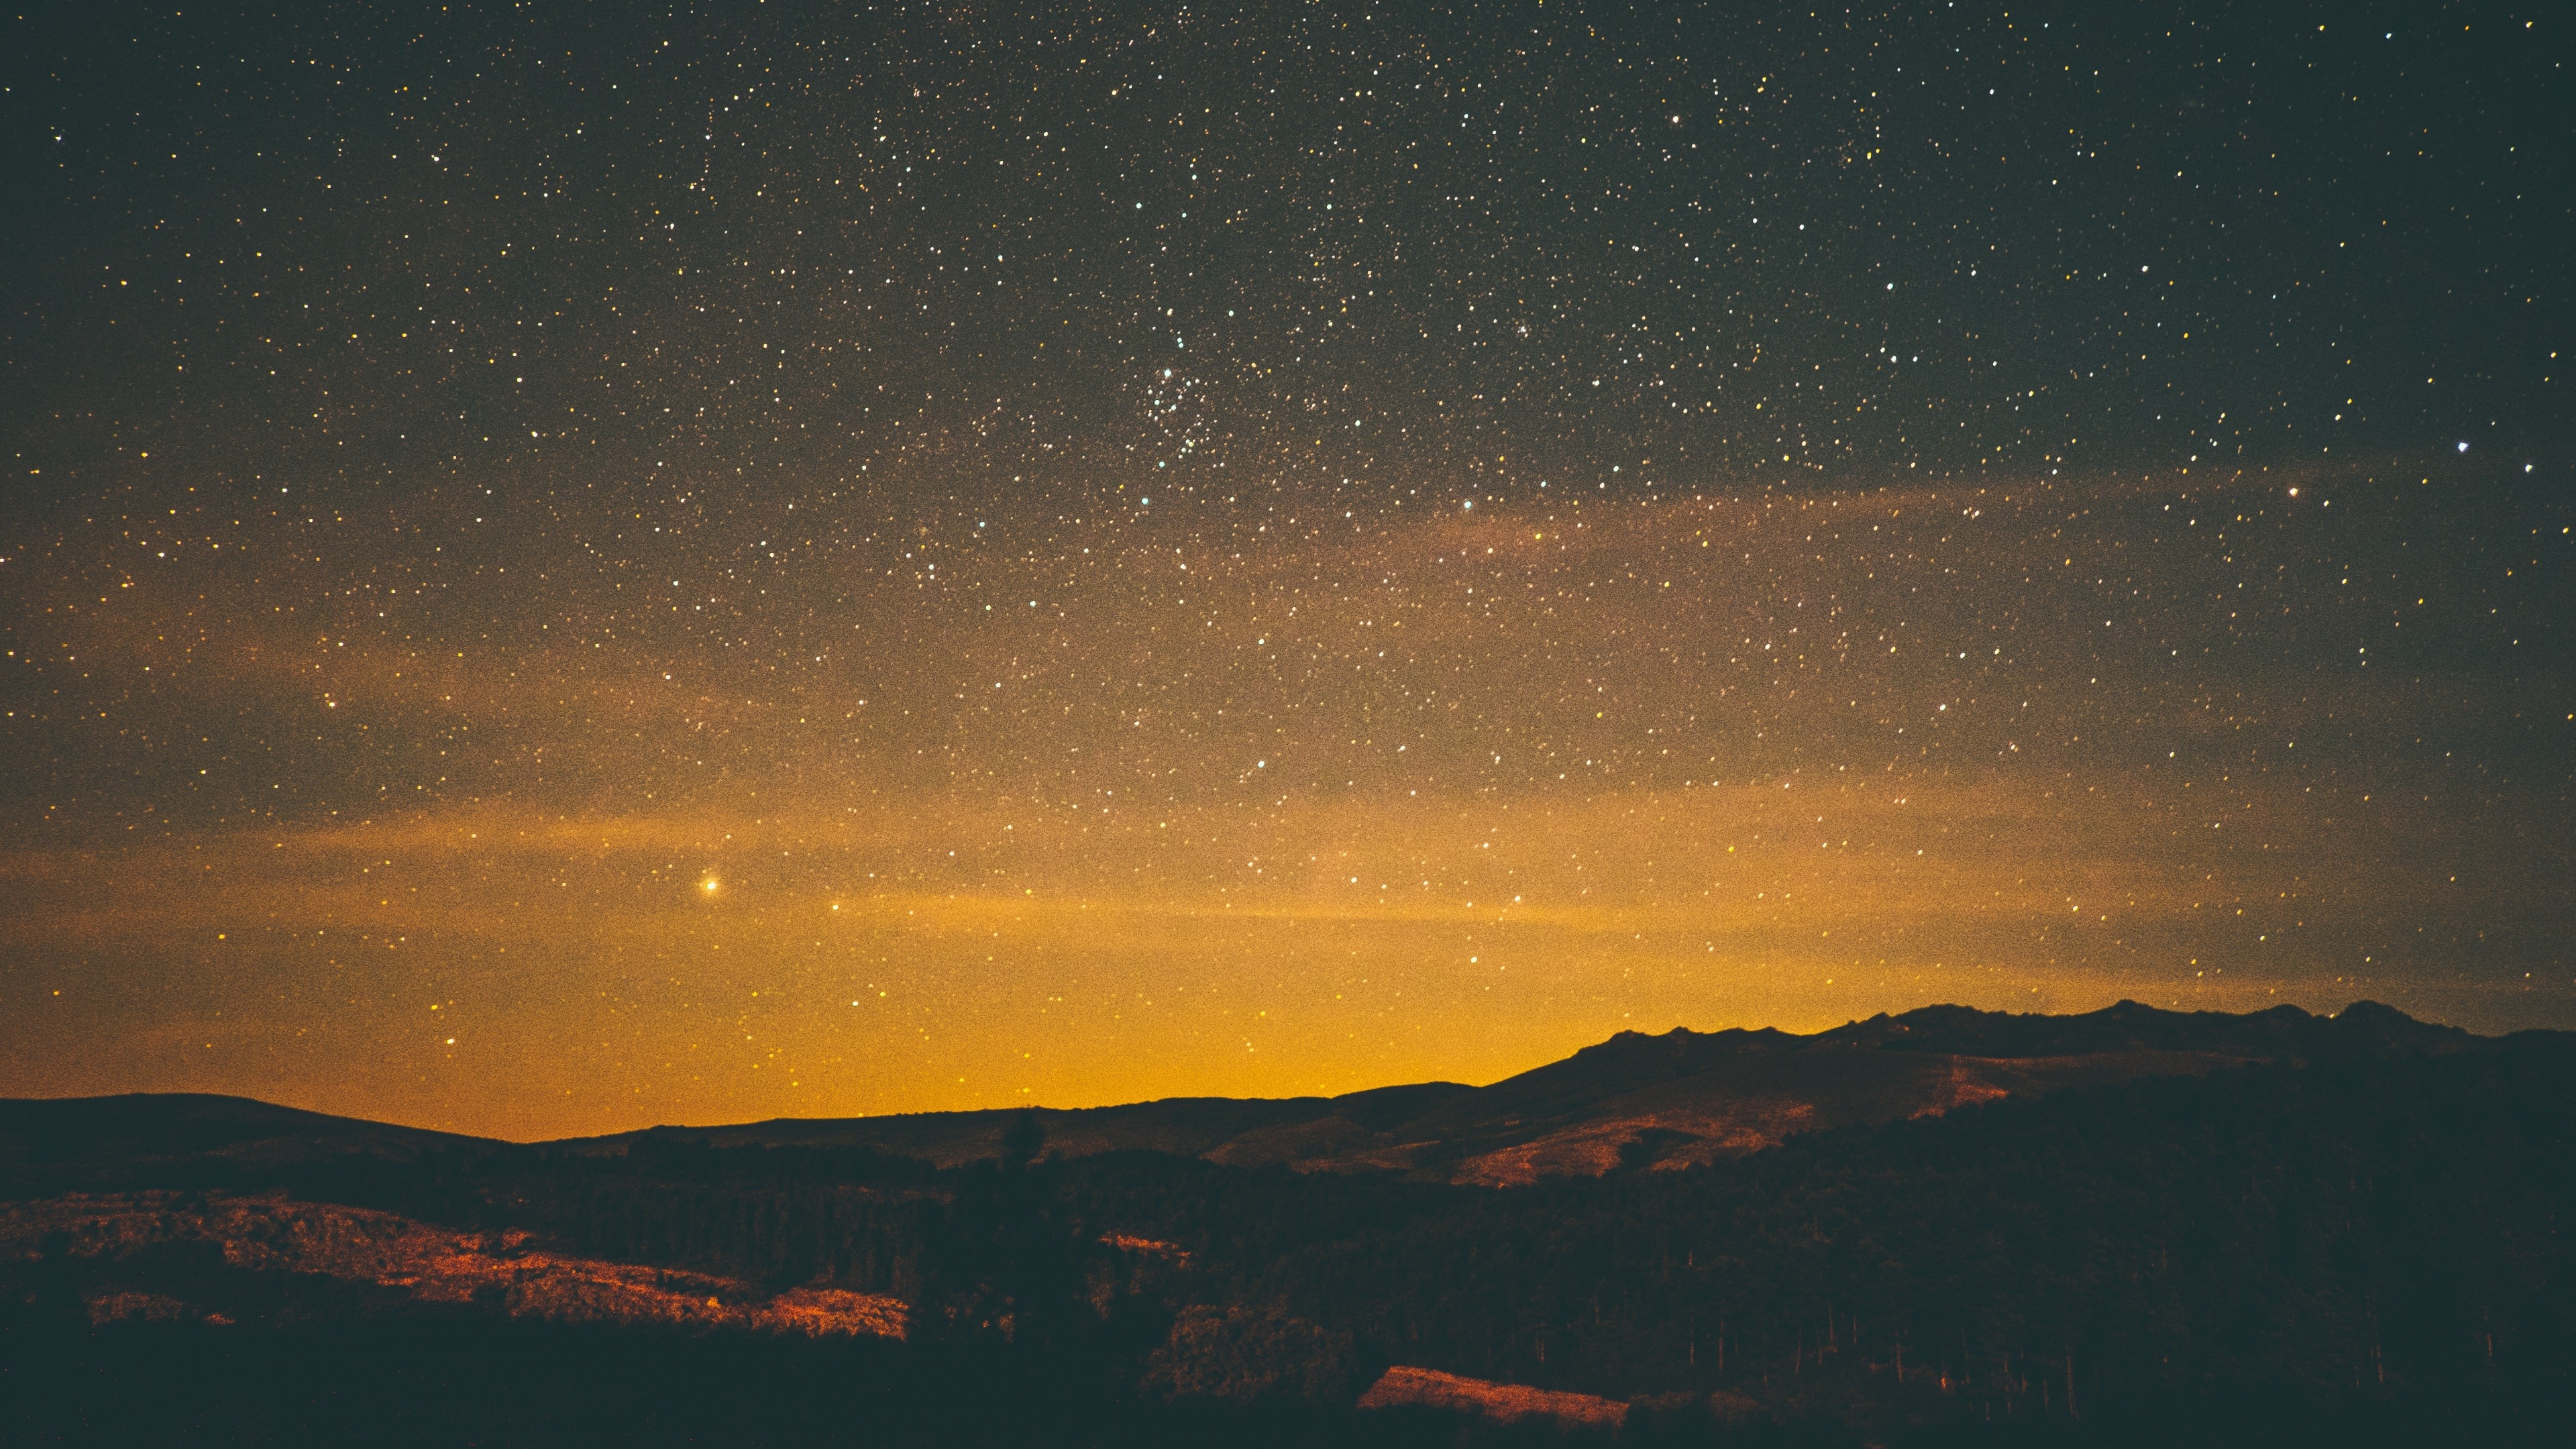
[
  {"x": 118, "y": 1251},
  {"x": 1506, "y": 1404}
]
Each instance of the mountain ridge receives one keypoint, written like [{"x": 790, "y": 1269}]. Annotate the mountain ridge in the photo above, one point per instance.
[
  {"x": 1633, "y": 1100},
  {"x": 1686, "y": 1096}
]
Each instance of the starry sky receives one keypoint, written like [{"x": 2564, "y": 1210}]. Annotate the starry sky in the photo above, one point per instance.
[{"x": 568, "y": 566}]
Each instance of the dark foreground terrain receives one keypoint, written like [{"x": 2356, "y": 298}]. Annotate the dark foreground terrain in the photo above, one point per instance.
[
  {"x": 453, "y": 1385},
  {"x": 2358, "y": 1237}
]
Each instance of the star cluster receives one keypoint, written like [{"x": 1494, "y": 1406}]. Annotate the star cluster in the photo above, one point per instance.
[{"x": 578, "y": 566}]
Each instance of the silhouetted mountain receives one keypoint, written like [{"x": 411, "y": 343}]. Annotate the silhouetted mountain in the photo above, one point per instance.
[
  {"x": 1188, "y": 1126},
  {"x": 1635, "y": 1100},
  {"x": 90, "y": 1134},
  {"x": 2282, "y": 1033},
  {"x": 1665, "y": 1101}
]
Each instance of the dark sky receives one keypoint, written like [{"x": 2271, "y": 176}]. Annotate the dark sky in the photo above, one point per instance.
[{"x": 570, "y": 566}]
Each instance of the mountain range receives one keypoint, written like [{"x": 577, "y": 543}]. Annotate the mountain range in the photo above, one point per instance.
[{"x": 1635, "y": 1101}]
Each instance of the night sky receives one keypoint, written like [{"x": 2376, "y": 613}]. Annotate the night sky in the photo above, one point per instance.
[{"x": 569, "y": 566}]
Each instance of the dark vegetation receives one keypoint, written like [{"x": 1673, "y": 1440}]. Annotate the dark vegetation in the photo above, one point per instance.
[{"x": 2371, "y": 1246}]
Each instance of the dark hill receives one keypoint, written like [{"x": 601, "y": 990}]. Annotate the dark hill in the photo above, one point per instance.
[
  {"x": 1664, "y": 1100},
  {"x": 1188, "y": 1126},
  {"x": 142, "y": 1137},
  {"x": 1635, "y": 1100}
]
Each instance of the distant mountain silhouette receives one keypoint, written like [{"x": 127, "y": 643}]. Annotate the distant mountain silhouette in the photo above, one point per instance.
[
  {"x": 1632, "y": 1101},
  {"x": 2281, "y": 1032},
  {"x": 1652, "y": 1101},
  {"x": 149, "y": 1126}
]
